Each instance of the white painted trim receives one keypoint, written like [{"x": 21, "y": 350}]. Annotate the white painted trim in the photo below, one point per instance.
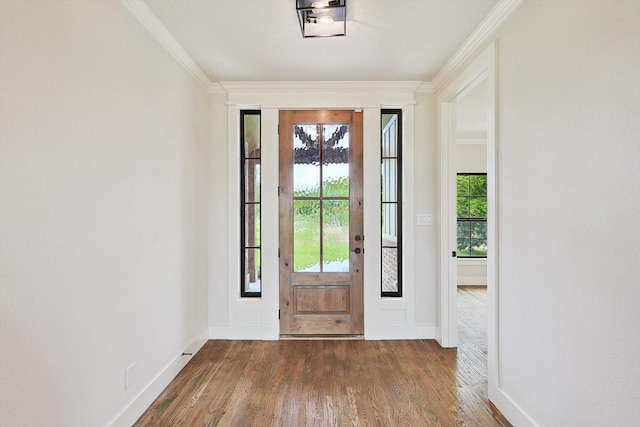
[
  {"x": 426, "y": 87},
  {"x": 511, "y": 410},
  {"x": 484, "y": 66},
  {"x": 408, "y": 214},
  {"x": 472, "y": 261},
  {"x": 322, "y": 86},
  {"x": 487, "y": 28},
  {"x": 149, "y": 20},
  {"x": 270, "y": 239},
  {"x": 235, "y": 332},
  {"x": 377, "y": 331},
  {"x": 473, "y": 73},
  {"x": 151, "y": 391},
  {"x": 448, "y": 322},
  {"x": 471, "y": 141}
]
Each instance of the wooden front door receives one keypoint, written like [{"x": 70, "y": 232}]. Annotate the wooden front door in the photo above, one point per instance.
[{"x": 321, "y": 240}]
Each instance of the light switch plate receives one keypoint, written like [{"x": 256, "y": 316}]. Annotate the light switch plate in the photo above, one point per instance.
[{"x": 424, "y": 219}]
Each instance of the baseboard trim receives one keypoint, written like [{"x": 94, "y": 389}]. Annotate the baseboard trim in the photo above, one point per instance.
[
  {"x": 225, "y": 332},
  {"x": 509, "y": 409},
  {"x": 151, "y": 391},
  {"x": 498, "y": 415},
  {"x": 404, "y": 332}
]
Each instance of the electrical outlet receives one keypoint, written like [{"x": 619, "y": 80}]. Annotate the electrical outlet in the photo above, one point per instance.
[
  {"x": 130, "y": 376},
  {"x": 424, "y": 219}
]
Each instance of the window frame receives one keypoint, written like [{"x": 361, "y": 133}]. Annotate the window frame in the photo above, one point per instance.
[
  {"x": 469, "y": 218},
  {"x": 243, "y": 204},
  {"x": 398, "y": 203}
]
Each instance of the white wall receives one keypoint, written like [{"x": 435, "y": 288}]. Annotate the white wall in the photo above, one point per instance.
[
  {"x": 102, "y": 212},
  {"x": 471, "y": 157},
  {"x": 425, "y": 197},
  {"x": 569, "y": 180}
]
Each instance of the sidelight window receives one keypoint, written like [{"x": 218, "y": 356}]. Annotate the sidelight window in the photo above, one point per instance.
[
  {"x": 391, "y": 187},
  {"x": 250, "y": 204}
]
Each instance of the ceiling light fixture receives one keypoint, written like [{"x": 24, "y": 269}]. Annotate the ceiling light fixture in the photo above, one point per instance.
[{"x": 322, "y": 18}]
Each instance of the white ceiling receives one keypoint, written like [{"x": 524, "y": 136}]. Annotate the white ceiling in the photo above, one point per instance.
[{"x": 260, "y": 40}]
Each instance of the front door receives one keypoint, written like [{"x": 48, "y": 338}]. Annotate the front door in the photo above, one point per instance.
[{"x": 321, "y": 240}]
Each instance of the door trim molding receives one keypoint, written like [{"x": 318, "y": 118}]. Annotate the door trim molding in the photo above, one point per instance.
[{"x": 482, "y": 68}]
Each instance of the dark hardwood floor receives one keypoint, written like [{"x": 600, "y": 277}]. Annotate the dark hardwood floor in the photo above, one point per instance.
[{"x": 335, "y": 383}]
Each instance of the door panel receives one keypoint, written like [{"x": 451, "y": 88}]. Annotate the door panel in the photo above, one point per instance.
[{"x": 321, "y": 242}]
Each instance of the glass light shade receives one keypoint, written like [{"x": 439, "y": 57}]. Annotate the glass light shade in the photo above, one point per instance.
[{"x": 322, "y": 18}]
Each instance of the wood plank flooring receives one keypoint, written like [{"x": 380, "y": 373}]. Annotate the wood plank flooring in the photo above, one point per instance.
[{"x": 335, "y": 383}]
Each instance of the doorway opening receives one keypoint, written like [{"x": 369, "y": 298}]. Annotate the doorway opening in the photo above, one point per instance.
[{"x": 481, "y": 73}]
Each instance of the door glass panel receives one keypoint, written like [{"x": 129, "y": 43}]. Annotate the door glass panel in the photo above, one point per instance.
[
  {"x": 335, "y": 236},
  {"x": 306, "y": 163},
  {"x": 335, "y": 161},
  {"x": 321, "y": 213},
  {"x": 306, "y": 235}
]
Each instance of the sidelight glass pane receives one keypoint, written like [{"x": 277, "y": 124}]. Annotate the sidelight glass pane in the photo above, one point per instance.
[
  {"x": 306, "y": 163},
  {"x": 250, "y": 203},
  {"x": 306, "y": 235},
  {"x": 335, "y": 161},
  {"x": 390, "y": 135},
  {"x": 389, "y": 224},
  {"x": 335, "y": 236},
  {"x": 252, "y": 270},
  {"x": 252, "y": 225},
  {"x": 252, "y": 180},
  {"x": 389, "y": 269},
  {"x": 391, "y": 197},
  {"x": 389, "y": 180},
  {"x": 251, "y": 128}
]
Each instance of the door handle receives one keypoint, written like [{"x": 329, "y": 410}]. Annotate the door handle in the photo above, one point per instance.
[
  {"x": 357, "y": 250},
  {"x": 358, "y": 237}
]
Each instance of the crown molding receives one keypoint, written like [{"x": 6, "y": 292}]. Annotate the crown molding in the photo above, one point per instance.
[
  {"x": 149, "y": 20},
  {"x": 487, "y": 28},
  {"x": 216, "y": 87},
  {"x": 321, "y": 86},
  {"x": 426, "y": 87}
]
